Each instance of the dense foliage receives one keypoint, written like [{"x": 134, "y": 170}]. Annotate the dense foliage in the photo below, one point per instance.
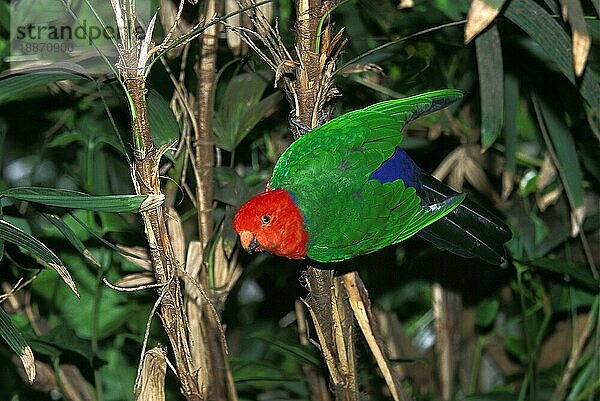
[{"x": 518, "y": 326}]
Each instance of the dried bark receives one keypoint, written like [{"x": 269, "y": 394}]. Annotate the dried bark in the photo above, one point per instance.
[
  {"x": 209, "y": 350},
  {"x": 146, "y": 180},
  {"x": 200, "y": 356},
  {"x": 154, "y": 368}
]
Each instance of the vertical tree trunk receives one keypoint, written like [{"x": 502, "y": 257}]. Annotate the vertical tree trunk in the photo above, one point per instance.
[{"x": 206, "y": 334}]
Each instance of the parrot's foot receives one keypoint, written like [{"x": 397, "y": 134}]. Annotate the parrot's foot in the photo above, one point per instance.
[
  {"x": 303, "y": 128},
  {"x": 323, "y": 118}
]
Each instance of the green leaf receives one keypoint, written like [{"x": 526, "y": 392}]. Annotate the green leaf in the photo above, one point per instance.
[
  {"x": 71, "y": 237},
  {"x": 527, "y": 184},
  {"x": 515, "y": 346},
  {"x": 5, "y": 16},
  {"x": 579, "y": 273},
  {"x": 1, "y": 240},
  {"x": 574, "y": 14},
  {"x": 118, "y": 375},
  {"x": 511, "y": 104},
  {"x": 16, "y": 342},
  {"x": 79, "y": 200},
  {"x": 163, "y": 124},
  {"x": 13, "y": 234},
  {"x": 231, "y": 188},
  {"x": 112, "y": 314},
  {"x": 564, "y": 147},
  {"x": 299, "y": 353},
  {"x": 241, "y": 108},
  {"x": 491, "y": 84},
  {"x": 13, "y": 87},
  {"x": 62, "y": 339},
  {"x": 548, "y": 33},
  {"x": 269, "y": 374},
  {"x": 587, "y": 377},
  {"x": 487, "y": 311},
  {"x": 65, "y": 138}
]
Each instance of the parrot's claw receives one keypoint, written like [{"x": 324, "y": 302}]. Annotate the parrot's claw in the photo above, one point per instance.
[
  {"x": 323, "y": 118},
  {"x": 303, "y": 128}
]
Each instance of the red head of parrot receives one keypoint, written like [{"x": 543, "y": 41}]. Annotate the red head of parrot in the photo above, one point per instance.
[{"x": 272, "y": 222}]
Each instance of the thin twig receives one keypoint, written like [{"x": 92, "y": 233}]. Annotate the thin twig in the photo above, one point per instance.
[
  {"x": 569, "y": 371},
  {"x": 157, "y": 303},
  {"x": 132, "y": 289}
]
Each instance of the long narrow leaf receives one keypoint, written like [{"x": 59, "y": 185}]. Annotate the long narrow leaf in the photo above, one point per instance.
[
  {"x": 12, "y": 87},
  {"x": 165, "y": 129},
  {"x": 1, "y": 240},
  {"x": 5, "y": 16},
  {"x": 548, "y": 33},
  {"x": 241, "y": 108},
  {"x": 564, "y": 146},
  {"x": 511, "y": 103},
  {"x": 16, "y": 342},
  {"x": 491, "y": 84},
  {"x": 575, "y": 272},
  {"x": 582, "y": 41},
  {"x": 78, "y": 200},
  {"x": 13, "y": 234},
  {"x": 71, "y": 237},
  {"x": 300, "y": 353},
  {"x": 481, "y": 14}
]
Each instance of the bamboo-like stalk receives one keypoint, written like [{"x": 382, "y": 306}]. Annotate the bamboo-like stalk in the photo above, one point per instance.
[
  {"x": 204, "y": 146},
  {"x": 146, "y": 180},
  {"x": 206, "y": 335},
  {"x": 200, "y": 354},
  {"x": 446, "y": 307},
  {"x": 332, "y": 317}
]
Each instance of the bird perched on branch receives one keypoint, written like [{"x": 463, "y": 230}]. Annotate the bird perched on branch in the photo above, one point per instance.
[{"x": 346, "y": 189}]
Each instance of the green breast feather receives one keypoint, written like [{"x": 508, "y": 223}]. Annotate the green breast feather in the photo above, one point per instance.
[{"x": 328, "y": 169}]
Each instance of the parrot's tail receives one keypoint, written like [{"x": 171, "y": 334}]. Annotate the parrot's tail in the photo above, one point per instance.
[{"x": 469, "y": 230}]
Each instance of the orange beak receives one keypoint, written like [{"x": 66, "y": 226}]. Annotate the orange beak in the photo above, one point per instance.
[{"x": 248, "y": 240}]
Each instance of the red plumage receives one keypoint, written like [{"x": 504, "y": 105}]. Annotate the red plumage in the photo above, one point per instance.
[{"x": 272, "y": 222}]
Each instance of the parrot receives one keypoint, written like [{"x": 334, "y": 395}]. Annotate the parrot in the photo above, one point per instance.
[{"x": 346, "y": 189}]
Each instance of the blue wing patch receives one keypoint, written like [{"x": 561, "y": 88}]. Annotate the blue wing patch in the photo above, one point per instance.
[{"x": 399, "y": 166}]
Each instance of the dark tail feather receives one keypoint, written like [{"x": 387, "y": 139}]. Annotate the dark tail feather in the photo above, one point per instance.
[{"x": 469, "y": 230}]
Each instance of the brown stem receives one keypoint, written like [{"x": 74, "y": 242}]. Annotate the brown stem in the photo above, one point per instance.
[
  {"x": 204, "y": 159},
  {"x": 574, "y": 358},
  {"x": 209, "y": 351},
  {"x": 446, "y": 305},
  {"x": 361, "y": 307},
  {"x": 317, "y": 385},
  {"x": 332, "y": 317},
  {"x": 145, "y": 176}
]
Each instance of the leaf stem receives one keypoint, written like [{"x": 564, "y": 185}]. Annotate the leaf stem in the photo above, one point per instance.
[{"x": 94, "y": 329}]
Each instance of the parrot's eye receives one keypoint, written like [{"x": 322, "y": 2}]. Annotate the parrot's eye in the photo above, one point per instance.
[{"x": 266, "y": 219}]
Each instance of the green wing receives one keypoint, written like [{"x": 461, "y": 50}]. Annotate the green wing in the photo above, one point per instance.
[{"x": 328, "y": 171}]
